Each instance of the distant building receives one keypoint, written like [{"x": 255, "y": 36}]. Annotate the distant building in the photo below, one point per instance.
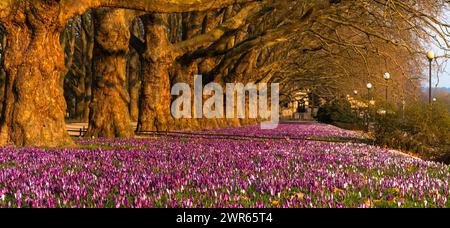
[{"x": 299, "y": 108}]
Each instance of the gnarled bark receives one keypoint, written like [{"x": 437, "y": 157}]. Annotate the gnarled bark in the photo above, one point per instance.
[
  {"x": 161, "y": 54},
  {"x": 155, "y": 95},
  {"x": 88, "y": 41},
  {"x": 109, "y": 115},
  {"x": 134, "y": 75},
  {"x": 34, "y": 106}
]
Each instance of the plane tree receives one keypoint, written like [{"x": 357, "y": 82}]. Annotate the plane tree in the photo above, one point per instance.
[{"x": 34, "y": 105}]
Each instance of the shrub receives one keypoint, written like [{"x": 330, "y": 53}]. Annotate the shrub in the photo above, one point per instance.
[
  {"x": 338, "y": 112},
  {"x": 423, "y": 129}
]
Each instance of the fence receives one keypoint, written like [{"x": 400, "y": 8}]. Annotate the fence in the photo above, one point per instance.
[{"x": 77, "y": 132}]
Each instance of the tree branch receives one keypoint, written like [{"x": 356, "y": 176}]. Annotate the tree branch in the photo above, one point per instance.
[
  {"x": 233, "y": 23},
  {"x": 78, "y": 7}
]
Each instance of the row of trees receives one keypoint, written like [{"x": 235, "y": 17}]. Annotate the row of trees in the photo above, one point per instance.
[{"x": 115, "y": 65}]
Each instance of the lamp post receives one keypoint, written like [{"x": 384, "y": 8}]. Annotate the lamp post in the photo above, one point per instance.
[
  {"x": 387, "y": 77},
  {"x": 403, "y": 108},
  {"x": 430, "y": 56},
  {"x": 369, "y": 98},
  {"x": 369, "y": 87},
  {"x": 355, "y": 92}
]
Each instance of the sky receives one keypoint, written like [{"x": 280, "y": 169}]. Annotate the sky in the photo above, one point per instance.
[
  {"x": 445, "y": 78},
  {"x": 444, "y": 74},
  {"x": 441, "y": 69}
]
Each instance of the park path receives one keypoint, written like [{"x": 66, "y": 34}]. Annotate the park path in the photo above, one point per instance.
[{"x": 76, "y": 129}]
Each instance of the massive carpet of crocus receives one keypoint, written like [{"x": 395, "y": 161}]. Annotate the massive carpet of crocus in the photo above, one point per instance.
[
  {"x": 305, "y": 130},
  {"x": 203, "y": 171}
]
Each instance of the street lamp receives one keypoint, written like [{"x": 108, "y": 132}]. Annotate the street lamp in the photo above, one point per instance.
[
  {"x": 355, "y": 92},
  {"x": 386, "y": 77},
  {"x": 430, "y": 56},
  {"x": 403, "y": 108},
  {"x": 369, "y": 87}
]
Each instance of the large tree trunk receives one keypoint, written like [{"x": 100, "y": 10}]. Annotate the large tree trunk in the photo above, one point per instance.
[
  {"x": 155, "y": 95},
  {"x": 161, "y": 54},
  {"x": 109, "y": 115},
  {"x": 134, "y": 84},
  {"x": 184, "y": 74},
  {"x": 2, "y": 68},
  {"x": 34, "y": 105},
  {"x": 87, "y": 36},
  {"x": 134, "y": 76}
]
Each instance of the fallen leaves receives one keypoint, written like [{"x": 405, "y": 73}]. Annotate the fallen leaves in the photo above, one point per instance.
[{"x": 299, "y": 196}]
